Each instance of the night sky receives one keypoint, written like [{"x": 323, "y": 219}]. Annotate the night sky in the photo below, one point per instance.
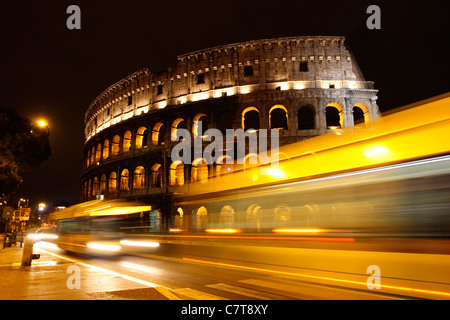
[{"x": 49, "y": 71}]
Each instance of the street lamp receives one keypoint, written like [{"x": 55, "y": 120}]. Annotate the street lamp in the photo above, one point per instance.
[
  {"x": 42, "y": 123},
  {"x": 41, "y": 206}
]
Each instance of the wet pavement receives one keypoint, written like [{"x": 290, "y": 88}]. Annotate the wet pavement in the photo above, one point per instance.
[{"x": 54, "y": 277}]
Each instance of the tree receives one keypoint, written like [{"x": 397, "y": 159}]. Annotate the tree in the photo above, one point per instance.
[{"x": 24, "y": 145}]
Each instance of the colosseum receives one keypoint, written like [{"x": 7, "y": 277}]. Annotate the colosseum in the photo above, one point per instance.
[{"x": 303, "y": 86}]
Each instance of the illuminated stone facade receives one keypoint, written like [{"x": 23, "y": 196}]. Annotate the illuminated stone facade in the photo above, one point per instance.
[{"x": 303, "y": 86}]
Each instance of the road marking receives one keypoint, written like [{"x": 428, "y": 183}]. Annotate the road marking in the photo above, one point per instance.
[
  {"x": 315, "y": 277},
  {"x": 197, "y": 295},
  {"x": 315, "y": 291},
  {"x": 273, "y": 285},
  {"x": 163, "y": 290},
  {"x": 244, "y": 291}
]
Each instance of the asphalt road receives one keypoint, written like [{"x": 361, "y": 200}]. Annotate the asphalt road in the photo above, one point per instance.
[{"x": 189, "y": 279}]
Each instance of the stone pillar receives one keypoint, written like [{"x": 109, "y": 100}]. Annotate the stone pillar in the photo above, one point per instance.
[
  {"x": 321, "y": 120},
  {"x": 348, "y": 113}
]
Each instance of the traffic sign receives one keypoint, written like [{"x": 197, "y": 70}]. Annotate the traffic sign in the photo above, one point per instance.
[
  {"x": 7, "y": 212},
  {"x": 25, "y": 214}
]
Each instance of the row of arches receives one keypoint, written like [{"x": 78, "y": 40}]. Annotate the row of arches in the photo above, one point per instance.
[
  {"x": 250, "y": 119},
  {"x": 200, "y": 171},
  {"x": 259, "y": 217},
  {"x": 306, "y": 117},
  {"x": 253, "y": 218},
  {"x": 117, "y": 145},
  {"x": 125, "y": 180},
  {"x": 121, "y": 144}
]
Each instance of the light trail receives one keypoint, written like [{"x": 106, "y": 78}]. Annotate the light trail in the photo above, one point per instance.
[
  {"x": 161, "y": 289},
  {"x": 410, "y": 290}
]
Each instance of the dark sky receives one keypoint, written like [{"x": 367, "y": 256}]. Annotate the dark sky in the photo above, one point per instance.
[{"x": 49, "y": 71}]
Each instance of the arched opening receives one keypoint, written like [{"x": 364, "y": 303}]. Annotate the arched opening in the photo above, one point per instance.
[
  {"x": 251, "y": 159},
  {"x": 85, "y": 191},
  {"x": 178, "y": 219},
  {"x": 176, "y": 175},
  {"x": 139, "y": 178},
  {"x": 158, "y": 137},
  {"x": 106, "y": 149},
  {"x": 360, "y": 113},
  {"x": 112, "y": 184},
  {"x": 199, "y": 170},
  {"x": 253, "y": 217},
  {"x": 334, "y": 116},
  {"x": 141, "y": 138},
  {"x": 278, "y": 116},
  {"x": 88, "y": 158},
  {"x": 95, "y": 187},
  {"x": 306, "y": 118},
  {"x": 156, "y": 181},
  {"x": 98, "y": 152},
  {"x": 201, "y": 218},
  {"x": 250, "y": 119},
  {"x": 115, "y": 145},
  {"x": 89, "y": 188},
  {"x": 125, "y": 180},
  {"x": 103, "y": 184},
  {"x": 282, "y": 215},
  {"x": 227, "y": 217},
  {"x": 225, "y": 121},
  {"x": 92, "y": 155},
  {"x": 177, "y": 124},
  {"x": 126, "y": 141},
  {"x": 200, "y": 122}
]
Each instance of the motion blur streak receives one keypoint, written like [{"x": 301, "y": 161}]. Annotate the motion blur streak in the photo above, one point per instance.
[
  {"x": 113, "y": 273},
  {"x": 150, "y": 244},
  {"x": 39, "y": 236},
  {"x": 411, "y": 290},
  {"x": 300, "y": 230},
  {"x": 272, "y": 238},
  {"x": 218, "y": 230},
  {"x": 100, "y": 246},
  {"x": 139, "y": 267}
]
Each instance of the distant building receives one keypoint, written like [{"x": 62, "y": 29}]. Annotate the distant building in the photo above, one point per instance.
[{"x": 302, "y": 86}]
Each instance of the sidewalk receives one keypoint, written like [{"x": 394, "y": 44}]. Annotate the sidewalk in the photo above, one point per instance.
[{"x": 48, "y": 279}]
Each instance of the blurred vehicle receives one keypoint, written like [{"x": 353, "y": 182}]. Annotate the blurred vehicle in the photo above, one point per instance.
[{"x": 333, "y": 207}]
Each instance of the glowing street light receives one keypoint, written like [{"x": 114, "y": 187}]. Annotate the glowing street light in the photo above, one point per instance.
[
  {"x": 41, "y": 206},
  {"x": 42, "y": 123}
]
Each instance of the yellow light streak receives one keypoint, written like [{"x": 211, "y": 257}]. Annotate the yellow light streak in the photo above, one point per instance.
[
  {"x": 110, "y": 211},
  {"x": 411, "y": 290},
  {"x": 39, "y": 236},
  {"x": 225, "y": 230},
  {"x": 149, "y": 244},
  {"x": 299, "y": 230},
  {"x": 377, "y": 152},
  {"x": 97, "y": 209},
  {"x": 43, "y": 263},
  {"x": 276, "y": 172},
  {"x": 105, "y": 247}
]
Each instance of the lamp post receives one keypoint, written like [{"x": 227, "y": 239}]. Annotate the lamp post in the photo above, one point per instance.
[{"x": 42, "y": 123}]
